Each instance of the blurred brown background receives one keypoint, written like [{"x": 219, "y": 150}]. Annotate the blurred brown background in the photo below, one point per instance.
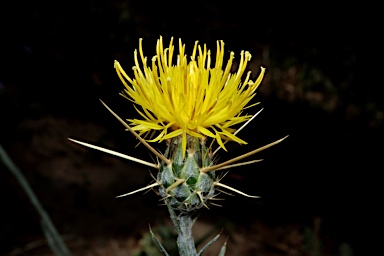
[{"x": 318, "y": 195}]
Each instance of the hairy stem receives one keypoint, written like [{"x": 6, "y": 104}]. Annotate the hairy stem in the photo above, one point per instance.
[
  {"x": 185, "y": 240},
  {"x": 183, "y": 225}
]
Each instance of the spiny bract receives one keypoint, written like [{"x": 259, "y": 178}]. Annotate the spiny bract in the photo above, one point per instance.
[{"x": 183, "y": 185}]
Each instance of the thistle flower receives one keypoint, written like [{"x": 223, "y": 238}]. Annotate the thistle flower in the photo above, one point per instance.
[
  {"x": 193, "y": 97},
  {"x": 187, "y": 102}
]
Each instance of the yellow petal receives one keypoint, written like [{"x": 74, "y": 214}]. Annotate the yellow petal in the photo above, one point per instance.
[
  {"x": 189, "y": 96},
  {"x": 221, "y": 144},
  {"x": 173, "y": 134},
  {"x": 206, "y": 132}
]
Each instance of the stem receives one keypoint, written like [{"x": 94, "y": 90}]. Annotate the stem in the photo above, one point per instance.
[
  {"x": 183, "y": 225},
  {"x": 55, "y": 241},
  {"x": 185, "y": 240}
]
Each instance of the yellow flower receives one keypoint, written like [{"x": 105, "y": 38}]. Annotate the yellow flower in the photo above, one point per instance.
[{"x": 189, "y": 97}]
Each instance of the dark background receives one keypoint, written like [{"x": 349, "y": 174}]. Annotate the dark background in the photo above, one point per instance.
[{"x": 56, "y": 61}]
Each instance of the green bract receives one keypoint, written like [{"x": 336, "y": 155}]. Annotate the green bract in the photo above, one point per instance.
[{"x": 182, "y": 184}]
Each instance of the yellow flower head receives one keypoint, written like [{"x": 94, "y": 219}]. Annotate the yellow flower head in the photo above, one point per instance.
[{"x": 189, "y": 97}]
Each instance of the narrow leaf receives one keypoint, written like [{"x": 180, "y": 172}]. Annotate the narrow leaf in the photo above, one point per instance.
[
  {"x": 157, "y": 243},
  {"x": 223, "y": 249},
  {"x": 208, "y": 244}
]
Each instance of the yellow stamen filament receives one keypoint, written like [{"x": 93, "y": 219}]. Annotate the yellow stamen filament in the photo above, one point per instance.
[{"x": 197, "y": 97}]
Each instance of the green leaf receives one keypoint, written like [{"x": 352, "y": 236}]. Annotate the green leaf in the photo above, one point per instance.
[
  {"x": 157, "y": 243},
  {"x": 208, "y": 244}
]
